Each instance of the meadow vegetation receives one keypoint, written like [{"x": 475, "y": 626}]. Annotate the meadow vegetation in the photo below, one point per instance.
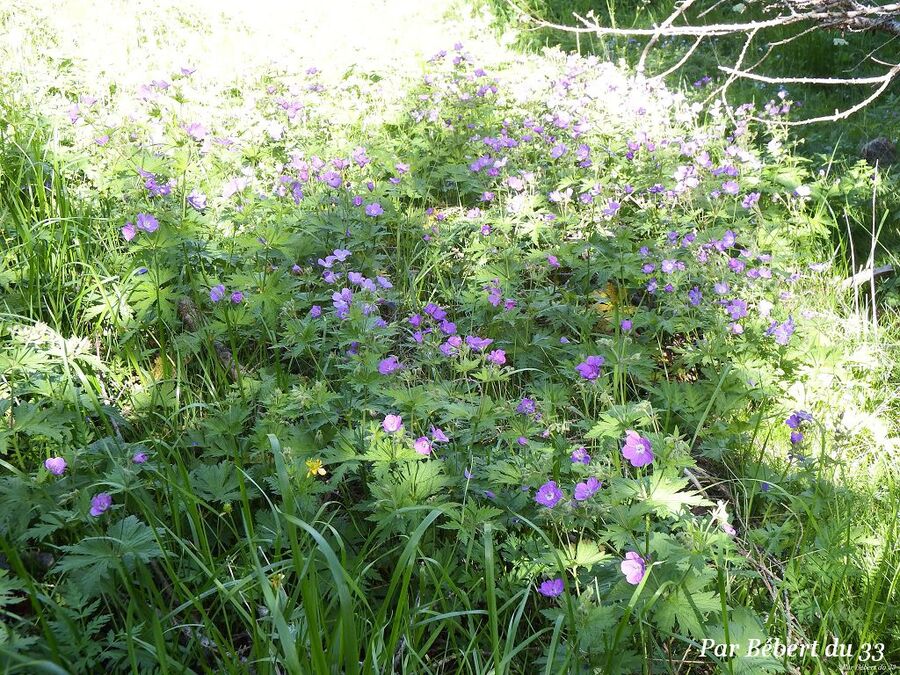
[{"x": 487, "y": 362}]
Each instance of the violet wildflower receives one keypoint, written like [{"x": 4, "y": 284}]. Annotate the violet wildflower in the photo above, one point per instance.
[
  {"x": 392, "y": 423},
  {"x": 55, "y": 465},
  {"x": 422, "y": 446},
  {"x": 139, "y": 457},
  {"x": 315, "y": 311},
  {"x": 553, "y": 261},
  {"x": 128, "y": 231},
  {"x": 217, "y": 292},
  {"x": 637, "y": 449},
  {"x": 100, "y": 503},
  {"x": 580, "y": 456},
  {"x": 587, "y": 489},
  {"x": 196, "y": 200},
  {"x": 438, "y": 436},
  {"x": 526, "y": 407},
  {"x": 477, "y": 343},
  {"x": 634, "y": 567},
  {"x": 497, "y": 357},
  {"x": 237, "y": 297},
  {"x": 551, "y": 588},
  {"x": 548, "y": 494},
  {"x": 374, "y": 210},
  {"x": 695, "y": 296},
  {"x": 147, "y": 223},
  {"x": 625, "y": 325},
  {"x": 589, "y": 369},
  {"x": 389, "y": 365},
  {"x": 750, "y": 200}
]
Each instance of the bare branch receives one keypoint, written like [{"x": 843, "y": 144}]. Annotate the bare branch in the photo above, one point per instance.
[
  {"x": 665, "y": 24},
  {"x": 806, "y": 80}
]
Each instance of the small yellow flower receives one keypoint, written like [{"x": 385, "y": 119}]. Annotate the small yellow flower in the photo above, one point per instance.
[
  {"x": 314, "y": 468},
  {"x": 276, "y": 580}
]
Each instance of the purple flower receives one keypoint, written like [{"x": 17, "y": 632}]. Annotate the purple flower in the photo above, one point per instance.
[
  {"x": 438, "y": 436},
  {"x": 525, "y": 407},
  {"x": 797, "y": 417},
  {"x": 750, "y": 200},
  {"x": 589, "y": 369},
  {"x": 633, "y": 567},
  {"x": 737, "y": 308},
  {"x": 100, "y": 503},
  {"x": 611, "y": 208},
  {"x": 216, "y": 293},
  {"x": 783, "y": 331},
  {"x": 796, "y": 437},
  {"x": 139, "y": 457},
  {"x": 477, "y": 343},
  {"x": 392, "y": 423},
  {"x": 587, "y": 489},
  {"x": 55, "y": 465},
  {"x": 315, "y": 311},
  {"x": 553, "y": 261},
  {"x": 730, "y": 187},
  {"x": 625, "y": 325},
  {"x": 521, "y": 440},
  {"x": 374, "y": 210},
  {"x": 128, "y": 231},
  {"x": 197, "y": 200},
  {"x": 551, "y": 588},
  {"x": 147, "y": 223},
  {"x": 422, "y": 446},
  {"x": 580, "y": 456},
  {"x": 695, "y": 296},
  {"x": 548, "y": 494},
  {"x": 637, "y": 449},
  {"x": 389, "y": 365},
  {"x": 237, "y": 297},
  {"x": 497, "y": 357}
]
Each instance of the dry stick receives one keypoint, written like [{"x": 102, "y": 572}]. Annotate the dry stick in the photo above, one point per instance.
[
  {"x": 857, "y": 18},
  {"x": 681, "y": 61},
  {"x": 886, "y": 81},
  {"x": 665, "y": 24}
]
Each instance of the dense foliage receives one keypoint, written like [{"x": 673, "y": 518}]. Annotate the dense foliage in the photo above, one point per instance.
[{"x": 537, "y": 368}]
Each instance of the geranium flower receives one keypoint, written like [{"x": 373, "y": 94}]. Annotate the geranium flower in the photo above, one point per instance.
[
  {"x": 128, "y": 231},
  {"x": 55, "y": 465},
  {"x": 438, "y": 436},
  {"x": 637, "y": 449},
  {"x": 587, "y": 489},
  {"x": 548, "y": 494},
  {"x": 497, "y": 357},
  {"x": 580, "y": 456},
  {"x": 392, "y": 423},
  {"x": 100, "y": 503},
  {"x": 477, "y": 343},
  {"x": 589, "y": 369},
  {"x": 217, "y": 292},
  {"x": 422, "y": 446},
  {"x": 374, "y": 210},
  {"x": 196, "y": 200},
  {"x": 389, "y": 365},
  {"x": 551, "y": 588},
  {"x": 633, "y": 567},
  {"x": 237, "y": 297},
  {"x": 526, "y": 407},
  {"x": 139, "y": 457}
]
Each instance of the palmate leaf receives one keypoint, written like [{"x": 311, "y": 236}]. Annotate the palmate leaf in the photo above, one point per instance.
[
  {"x": 667, "y": 497},
  {"x": 94, "y": 559},
  {"x": 216, "y": 482},
  {"x": 34, "y": 421}
]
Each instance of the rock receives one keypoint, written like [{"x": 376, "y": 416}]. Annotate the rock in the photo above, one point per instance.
[{"x": 879, "y": 151}]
